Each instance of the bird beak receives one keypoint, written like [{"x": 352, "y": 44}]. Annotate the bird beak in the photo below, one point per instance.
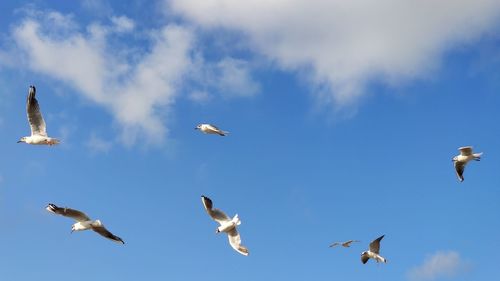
[
  {"x": 19, "y": 141},
  {"x": 72, "y": 231},
  {"x": 196, "y": 128}
]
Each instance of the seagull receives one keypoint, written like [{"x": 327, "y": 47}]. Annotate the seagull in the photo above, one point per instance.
[
  {"x": 37, "y": 124},
  {"x": 346, "y": 244},
  {"x": 461, "y": 160},
  {"x": 211, "y": 129},
  {"x": 373, "y": 252},
  {"x": 83, "y": 222},
  {"x": 227, "y": 225}
]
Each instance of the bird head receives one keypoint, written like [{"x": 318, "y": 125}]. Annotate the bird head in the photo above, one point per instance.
[
  {"x": 217, "y": 230},
  {"x": 363, "y": 253},
  {"x": 23, "y": 139},
  {"x": 454, "y": 159},
  {"x": 198, "y": 127},
  {"x": 32, "y": 89}
]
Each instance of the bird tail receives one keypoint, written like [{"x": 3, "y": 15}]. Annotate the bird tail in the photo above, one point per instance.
[
  {"x": 53, "y": 141},
  {"x": 223, "y": 133},
  {"x": 477, "y": 156}
]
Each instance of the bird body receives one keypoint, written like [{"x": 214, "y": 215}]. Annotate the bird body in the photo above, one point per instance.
[
  {"x": 370, "y": 255},
  {"x": 226, "y": 225},
  {"x": 373, "y": 252},
  {"x": 461, "y": 160},
  {"x": 210, "y": 129},
  {"x": 85, "y": 225},
  {"x": 39, "y": 140},
  {"x": 37, "y": 124},
  {"x": 83, "y": 222}
]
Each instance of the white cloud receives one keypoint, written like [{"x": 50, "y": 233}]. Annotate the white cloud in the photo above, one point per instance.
[
  {"x": 228, "y": 77},
  {"x": 97, "y": 144},
  {"x": 123, "y": 24},
  {"x": 441, "y": 264},
  {"x": 200, "y": 96},
  {"x": 344, "y": 45},
  {"x": 99, "y": 7},
  {"x": 234, "y": 78},
  {"x": 137, "y": 92}
]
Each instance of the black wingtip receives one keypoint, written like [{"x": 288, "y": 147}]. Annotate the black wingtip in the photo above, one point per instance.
[{"x": 51, "y": 208}]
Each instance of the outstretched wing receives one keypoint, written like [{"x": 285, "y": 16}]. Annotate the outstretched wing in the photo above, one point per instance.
[
  {"x": 349, "y": 242},
  {"x": 375, "y": 245},
  {"x": 67, "y": 212},
  {"x": 334, "y": 244},
  {"x": 459, "y": 168},
  {"x": 235, "y": 241},
  {"x": 465, "y": 150},
  {"x": 364, "y": 258},
  {"x": 216, "y": 214},
  {"x": 106, "y": 233},
  {"x": 216, "y": 130},
  {"x": 35, "y": 117}
]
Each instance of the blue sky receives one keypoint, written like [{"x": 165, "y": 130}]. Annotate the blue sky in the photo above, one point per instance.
[{"x": 343, "y": 120}]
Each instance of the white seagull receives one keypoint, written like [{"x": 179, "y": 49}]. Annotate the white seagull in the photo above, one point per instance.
[
  {"x": 83, "y": 222},
  {"x": 37, "y": 124},
  {"x": 346, "y": 244},
  {"x": 461, "y": 160},
  {"x": 227, "y": 225},
  {"x": 211, "y": 129},
  {"x": 373, "y": 252}
]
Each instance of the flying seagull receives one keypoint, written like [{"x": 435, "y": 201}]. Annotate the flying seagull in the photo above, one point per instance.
[
  {"x": 83, "y": 222},
  {"x": 461, "y": 160},
  {"x": 227, "y": 225},
  {"x": 346, "y": 244},
  {"x": 37, "y": 124},
  {"x": 373, "y": 252},
  {"x": 211, "y": 129}
]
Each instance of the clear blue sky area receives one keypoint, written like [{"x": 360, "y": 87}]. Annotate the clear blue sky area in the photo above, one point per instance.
[{"x": 324, "y": 146}]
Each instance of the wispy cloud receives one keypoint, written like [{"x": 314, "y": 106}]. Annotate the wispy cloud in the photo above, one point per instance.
[
  {"x": 228, "y": 78},
  {"x": 98, "y": 145},
  {"x": 440, "y": 264},
  {"x": 122, "y": 24},
  {"x": 344, "y": 45}
]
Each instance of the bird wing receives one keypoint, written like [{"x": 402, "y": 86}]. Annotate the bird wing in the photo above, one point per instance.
[
  {"x": 35, "y": 117},
  {"x": 465, "y": 150},
  {"x": 334, "y": 244},
  {"x": 459, "y": 168},
  {"x": 213, "y": 127},
  {"x": 348, "y": 243},
  {"x": 216, "y": 214},
  {"x": 235, "y": 241},
  {"x": 364, "y": 258},
  {"x": 375, "y": 245},
  {"x": 67, "y": 212},
  {"x": 106, "y": 233},
  {"x": 216, "y": 130}
]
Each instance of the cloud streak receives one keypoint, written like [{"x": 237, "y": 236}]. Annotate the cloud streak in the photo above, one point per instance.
[
  {"x": 441, "y": 264},
  {"x": 342, "y": 46}
]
